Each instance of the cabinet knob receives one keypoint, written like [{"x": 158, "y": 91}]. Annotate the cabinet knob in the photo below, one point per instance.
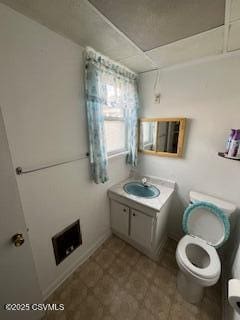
[
  {"x": 134, "y": 214},
  {"x": 124, "y": 210}
]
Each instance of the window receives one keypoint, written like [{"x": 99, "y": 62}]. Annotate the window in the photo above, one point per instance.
[
  {"x": 114, "y": 123},
  {"x": 112, "y": 106}
]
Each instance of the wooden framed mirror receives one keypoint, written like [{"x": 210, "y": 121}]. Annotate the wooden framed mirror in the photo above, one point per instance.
[{"x": 162, "y": 136}]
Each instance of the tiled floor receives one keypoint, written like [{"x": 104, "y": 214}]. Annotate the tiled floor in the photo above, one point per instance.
[{"x": 119, "y": 283}]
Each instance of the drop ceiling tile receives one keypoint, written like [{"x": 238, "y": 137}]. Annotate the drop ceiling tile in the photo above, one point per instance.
[
  {"x": 77, "y": 20},
  {"x": 235, "y": 10},
  {"x": 153, "y": 23},
  {"x": 123, "y": 50},
  {"x": 139, "y": 63},
  {"x": 195, "y": 47},
  {"x": 233, "y": 37}
]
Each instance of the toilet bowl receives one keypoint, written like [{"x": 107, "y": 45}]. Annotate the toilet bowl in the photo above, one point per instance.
[
  {"x": 206, "y": 224},
  {"x": 199, "y": 266}
]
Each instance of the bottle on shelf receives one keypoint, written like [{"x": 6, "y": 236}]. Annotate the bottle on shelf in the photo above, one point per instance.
[
  {"x": 229, "y": 140},
  {"x": 234, "y": 149}
]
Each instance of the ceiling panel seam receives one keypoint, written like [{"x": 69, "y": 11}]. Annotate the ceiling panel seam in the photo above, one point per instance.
[{"x": 122, "y": 34}]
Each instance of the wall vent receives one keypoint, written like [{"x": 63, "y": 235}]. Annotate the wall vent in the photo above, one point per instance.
[{"x": 66, "y": 241}]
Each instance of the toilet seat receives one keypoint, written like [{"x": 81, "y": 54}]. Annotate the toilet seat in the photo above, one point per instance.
[
  {"x": 200, "y": 217},
  {"x": 212, "y": 271}
]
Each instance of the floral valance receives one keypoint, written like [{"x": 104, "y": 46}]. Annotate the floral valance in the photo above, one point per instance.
[
  {"x": 116, "y": 86},
  {"x": 102, "y": 61}
]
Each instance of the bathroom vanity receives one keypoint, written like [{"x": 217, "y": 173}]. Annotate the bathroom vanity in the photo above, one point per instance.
[{"x": 141, "y": 221}]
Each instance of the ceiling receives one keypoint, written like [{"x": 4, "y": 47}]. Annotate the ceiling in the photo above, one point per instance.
[
  {"x": 154, "y": 23},
  {"x": 141, "y": 34}
]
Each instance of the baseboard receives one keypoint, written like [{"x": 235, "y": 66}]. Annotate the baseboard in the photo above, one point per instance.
[
  {"x": 53, "y": 286},
  {"x": 154, "y": 255},
  {"x": 161, "y": 246},
  {"x": 174, "y": 237}
]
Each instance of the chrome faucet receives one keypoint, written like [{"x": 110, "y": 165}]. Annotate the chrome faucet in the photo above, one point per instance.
[{"x": 145, "y": 182}]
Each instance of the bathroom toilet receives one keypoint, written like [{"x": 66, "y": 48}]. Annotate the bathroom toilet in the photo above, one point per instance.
[{"x": 207, "y": 227}]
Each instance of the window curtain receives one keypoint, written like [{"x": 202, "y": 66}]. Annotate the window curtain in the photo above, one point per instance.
[{"x": 101, "y": 72}]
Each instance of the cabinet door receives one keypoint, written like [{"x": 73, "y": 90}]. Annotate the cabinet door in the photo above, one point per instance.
[
  {"x": 120, "y": 217},
  {"x": 141, "y": 228}
]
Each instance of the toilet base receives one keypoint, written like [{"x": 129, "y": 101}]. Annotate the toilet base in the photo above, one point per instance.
[{"x": 189, "y": 289}]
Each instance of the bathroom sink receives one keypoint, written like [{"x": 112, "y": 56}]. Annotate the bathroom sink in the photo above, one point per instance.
[{"x": 140, "y": 190}]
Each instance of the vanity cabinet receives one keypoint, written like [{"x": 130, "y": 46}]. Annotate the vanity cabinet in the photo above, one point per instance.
[
  {"x": 142, "y": 222},
  {"x": 145, "y": 232},
  {"x": 132, "y": 223},
  {"x": 120, "y": 218},
  {"x": 141, "y": 228}
]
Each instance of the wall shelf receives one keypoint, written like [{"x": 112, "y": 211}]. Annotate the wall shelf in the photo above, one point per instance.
[{"x": 222, "y": 154}]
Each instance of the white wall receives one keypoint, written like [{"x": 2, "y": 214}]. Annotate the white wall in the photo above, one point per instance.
[
  {"x": 208, "y": 94},
  {"x": 41, "y": 90}
]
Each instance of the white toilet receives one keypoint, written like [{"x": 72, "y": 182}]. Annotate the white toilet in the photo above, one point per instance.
[{"x": 207, "y": 227}]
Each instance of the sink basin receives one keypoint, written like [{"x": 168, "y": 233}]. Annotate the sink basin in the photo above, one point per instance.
[{"x": 139, "y": 190}]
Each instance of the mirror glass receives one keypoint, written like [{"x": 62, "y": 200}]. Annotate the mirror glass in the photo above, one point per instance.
[
  {"x": 148, "y": 136},
  {"x": 159, "y": 136}
]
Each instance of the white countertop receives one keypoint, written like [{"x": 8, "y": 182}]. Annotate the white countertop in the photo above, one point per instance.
[{"x": 166, "y": 189}]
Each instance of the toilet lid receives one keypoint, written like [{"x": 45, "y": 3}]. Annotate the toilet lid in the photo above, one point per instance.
[{"x": 207, "y": 222}]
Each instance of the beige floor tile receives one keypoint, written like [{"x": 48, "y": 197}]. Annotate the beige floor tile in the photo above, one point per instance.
[
  {"x": 184, "y": 305},
  {"x": 137, "y": 285},
  {"x": 145, "y": 314},
  {"x": 213, "y": 293},
  {"x": 107, "y": 316},
  {"x": 171, "y": 246},
  {"x": 178, "y": 312},
  {"x": 165, "y": 280},
  {"x": 90, "y": 309},
  {"x": 70, "y": 293},
  {"x": 55, "y": 315},
  {"x": 157, "y": 302},
  {"x": 90, "y": 272},
  {"x": 119, "y": 271},
  {"x": 168, "y": 261},
  {"x": 130, "y": 255},
  {"x": 119, "y": 283},
  {"x": 210, "y": 310},
  {"x": 114, "y": 244},
  {"x": 96, "y": 252},
  {"x": 104, "y": 258},
  {"x": 124, "y": 306},
  {"x": 146, "y": 266},
  {"x": 106, "y": 289}
]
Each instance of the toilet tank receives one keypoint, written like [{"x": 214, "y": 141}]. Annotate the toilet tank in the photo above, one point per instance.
[{"x": 227, "y": 207}]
